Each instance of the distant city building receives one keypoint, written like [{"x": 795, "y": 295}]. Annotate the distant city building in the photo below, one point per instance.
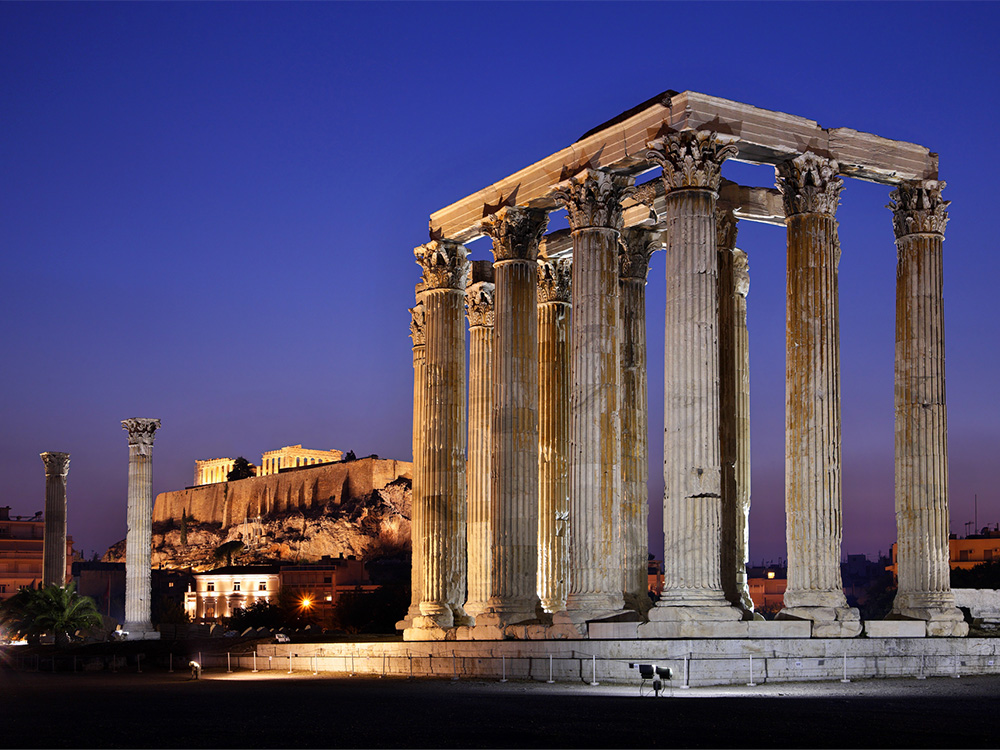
[
  {"x": 104, "y": 582},
  {"x": 21, "y": 549},
  {"x": 212, "y": 470},
  {"x": 322, "y": 583},
  {"x": 969, "y": 552}
]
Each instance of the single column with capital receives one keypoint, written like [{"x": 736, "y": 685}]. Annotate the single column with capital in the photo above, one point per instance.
[
  {"x": 479, "y": 310},
  {"x": 734, "y": 413},
  {"x": 637, "y": 246},
  {"x": 54, "y": 539},
  {"x": 593, "y": 201},
  {"x": 810, "y": 191},
  {"x": 692, "y": 503},
  {"x": 440, "y": 517},
  {"x": 514, "y": 493},
  {"x": 139, "y": 538},
  {"x": 924, "y": 572},
  {"x": 554, "y": 317}
]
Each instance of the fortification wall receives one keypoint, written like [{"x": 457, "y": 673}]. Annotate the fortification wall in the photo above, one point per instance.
[{"x": 230, "y": 502}]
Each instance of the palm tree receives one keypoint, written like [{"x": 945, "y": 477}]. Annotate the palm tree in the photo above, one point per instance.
[{"x": 58, "y": 610}]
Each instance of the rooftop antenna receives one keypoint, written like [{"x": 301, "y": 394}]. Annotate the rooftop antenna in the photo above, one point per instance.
[{"x": 975, "y": 500}]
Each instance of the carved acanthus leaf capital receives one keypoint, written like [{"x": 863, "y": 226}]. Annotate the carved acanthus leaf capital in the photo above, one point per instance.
[
  {"x": 479, "y": 304},
  {"x": 634, "y": 251},
  {"x": 690, "y": 158},
  {"x": 443, "y": 263},
  {"x": 809, "y": 184},
  {"x": 417, "y": 324},
  {"x": 56, "y": 464},
  {"x": 918, "y": 208},
  {"x": 516, "y": 232},
  {"x": 555, "y": 280},
  {"x": 741, "y": 272},
  {"x": 726, "y": 228},
  {"x": 594, "y": 198},
  {"x": 141, "y": 433}
]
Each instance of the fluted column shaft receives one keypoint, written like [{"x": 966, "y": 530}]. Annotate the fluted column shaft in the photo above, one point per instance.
[
  {"x": 479, "y": 302},
  {"x": 54, "y": 539},
  {"x": 734, "y": 413},
  {"x": 593, "y": 200},
  {"x": 636, "y": 248},
  {"x": 811, "y": 189},
  {"x": 514, "y": 491},
  {"x": 921, "y": 452},
  {"x": 138, "y": 540},
  {"x": 442, "y": 485},
  {"x": 554, "y": 318},
  {"x": 417, "y": 542}
]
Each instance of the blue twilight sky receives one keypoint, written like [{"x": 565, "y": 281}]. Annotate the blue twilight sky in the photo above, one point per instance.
[{"x": 207, "y": 215}]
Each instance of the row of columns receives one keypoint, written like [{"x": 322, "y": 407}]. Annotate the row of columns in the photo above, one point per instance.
[{"x": 559, "y": 424}]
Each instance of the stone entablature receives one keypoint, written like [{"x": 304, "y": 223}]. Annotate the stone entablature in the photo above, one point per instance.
[{"x": 693, "y": 211}]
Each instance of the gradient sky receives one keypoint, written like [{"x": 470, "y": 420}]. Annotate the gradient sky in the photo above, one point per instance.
[{"x": 207, "y": 215}]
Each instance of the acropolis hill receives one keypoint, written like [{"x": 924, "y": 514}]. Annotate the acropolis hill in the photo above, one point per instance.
[{"x": 304, "y": 513}]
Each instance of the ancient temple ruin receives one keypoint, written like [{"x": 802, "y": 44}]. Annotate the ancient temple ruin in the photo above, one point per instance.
[{"x": 529, "y": 511}]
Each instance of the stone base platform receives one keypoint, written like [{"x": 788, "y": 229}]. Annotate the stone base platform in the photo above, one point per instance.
[
  {"x": 695, "y": 662},
  {"x": 142, "y": 635}
]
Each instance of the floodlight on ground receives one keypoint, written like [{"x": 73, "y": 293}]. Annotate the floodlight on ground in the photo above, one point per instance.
[{"x": 652, "y": 672}]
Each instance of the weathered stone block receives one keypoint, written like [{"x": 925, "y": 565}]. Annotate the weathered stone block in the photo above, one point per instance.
[
  {"x": 779, "y": 628},
  {"x": 895, "y": 628}
]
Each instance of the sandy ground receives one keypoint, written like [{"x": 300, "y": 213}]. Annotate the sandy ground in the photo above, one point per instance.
[{"x": 279, "y": 710}]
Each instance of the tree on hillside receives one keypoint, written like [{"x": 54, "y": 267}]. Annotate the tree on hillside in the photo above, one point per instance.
[
  {"x": 242, "y": 469},
  {"x": 184, "y": 527},
  {"x": 57, "y": 610},
  {"x": 227, "y": 550},
  {"x": 986, "y": 575}
]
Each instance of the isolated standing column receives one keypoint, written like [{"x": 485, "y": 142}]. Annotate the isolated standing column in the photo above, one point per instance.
[
  {"x": 810, "y": 190},
  {"x": 138, "y": 558},
  {"x": 441, "y": 515},
  {"x": 593, "y": 201},
  {"x": 514, "y": 518},
  {"x": 54, "y": 540},
  {"x": 692, "y": 473},
  {"x": 479, "y": 310},
  {"x": 554, "y": 318},
  {"x": 638, "y": 245},
  {"x": 416, "y": 507},
  {"x": 924, "y": 571}
]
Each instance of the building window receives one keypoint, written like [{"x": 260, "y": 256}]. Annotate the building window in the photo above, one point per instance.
[
  {"x": 210, "y": 586},
  {"x": 4, "y": 530},
  {"x": 236, "y": 586},
  {"x": 262, "y": 586},
  {"x": 3, "y": 588},
  {"x": 327, "y": 579},
  {"x": 170, "y": 585}
]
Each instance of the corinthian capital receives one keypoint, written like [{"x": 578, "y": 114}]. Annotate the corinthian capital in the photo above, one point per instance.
[
  {"x": 555, "y": 279},
  {"x": 690, "y": 158},
  {"x": 634, "y": 251},
  {"x": 516, "y": 232},
  {"x": 726, "y": 227},
  {"x": 479, "y": 304},
  {"x": 56, "y": 464},
  {"x": 140, "y": 433},
  {"x": 417, "y": 324},
  {"x": 809, "y": 185},
  {"x": 917, "y": 208},
  {"x": 594, "y": 199},
  {"x": 443, "y": 264}
]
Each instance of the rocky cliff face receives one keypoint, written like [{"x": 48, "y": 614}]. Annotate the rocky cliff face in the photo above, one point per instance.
[{"x": 368, "y": 527}]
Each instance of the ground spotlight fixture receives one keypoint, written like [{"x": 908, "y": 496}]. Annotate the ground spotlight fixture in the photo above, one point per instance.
[
  {"x": 652, "y": 672},
  {"x": 195, "y": 669}
]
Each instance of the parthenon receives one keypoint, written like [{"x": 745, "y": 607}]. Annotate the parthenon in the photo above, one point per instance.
[{"x": 530, "y": 507}]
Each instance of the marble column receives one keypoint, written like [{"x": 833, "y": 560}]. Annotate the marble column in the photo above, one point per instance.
[
  {"x": 514, "y": 517},
  {"x": 479, "y": 306},
  {"x": 554, "y": 318},
  {"x": 923, "y": 567},
  {"x": 440, "y": 516},
  {"x": 692, "y": 466},
  {"x": 139, "y": 538},
  {"x": 734, "y": 411},
  {"x": 593, "y": 200},
  {"x": 637, "y": 246},
  {"x": 810, "y": 191},
  {"x": 54, "y": 539},
  {"x": 416, "y": 506}
]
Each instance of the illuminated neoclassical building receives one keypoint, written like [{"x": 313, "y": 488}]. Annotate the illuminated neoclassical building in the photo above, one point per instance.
[
  {"x": 212, "y": 470},
  {"x": 218, "y": 592}
]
